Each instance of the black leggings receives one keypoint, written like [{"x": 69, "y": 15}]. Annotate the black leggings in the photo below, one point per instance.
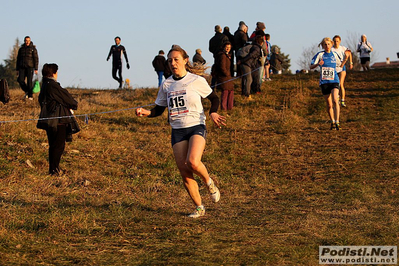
[
  {"x": 56, "y": 141},
  {"x": 27, "y": 87},
  {"x": 117, "y": 68}
]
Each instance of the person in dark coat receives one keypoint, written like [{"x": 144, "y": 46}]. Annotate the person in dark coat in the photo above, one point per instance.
[
  {"x": 216, "y": 44},
  {"x": 56, "y": 100},
  {"x": 197, "y": 58},
  {"x": 167, "y": 72},
  {"x": 240, "y": 36},
  {"x": 250, "y": 66},
  {"x": 159, "y": 65},
  {"x": 240, "y": 39},
  {"x": 223, "y": 77},
  {"x": 276, "y": 61},
  {"x": 217, "y": 41},
  {"x": 226, "y": 31},
  {"x": 27, "y": 63}
]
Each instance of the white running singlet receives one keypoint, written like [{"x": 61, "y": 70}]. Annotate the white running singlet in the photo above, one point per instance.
[
  {"x": 341, "y": 52},
  {"x": 183, "y": 99}
]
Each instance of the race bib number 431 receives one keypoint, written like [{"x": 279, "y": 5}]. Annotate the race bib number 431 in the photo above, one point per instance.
[
  {"x": 177, "y": 101},
  {"x": 327, "y": 73}
]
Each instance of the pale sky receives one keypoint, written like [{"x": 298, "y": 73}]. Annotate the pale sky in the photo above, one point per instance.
[{"x": 77, "y": 35}]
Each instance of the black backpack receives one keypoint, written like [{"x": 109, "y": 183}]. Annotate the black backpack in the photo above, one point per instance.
[
  {"x": 244, "y": 51},
  {"x": 4, "y": 92}
]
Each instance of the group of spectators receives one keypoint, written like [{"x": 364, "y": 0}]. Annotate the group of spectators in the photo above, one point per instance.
[
  {"x": 249, "y": 57},
  {"x": 253, "y": 67}
]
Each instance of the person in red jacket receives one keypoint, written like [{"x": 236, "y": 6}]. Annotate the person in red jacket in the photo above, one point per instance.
[{"x": 223, "y": 77}]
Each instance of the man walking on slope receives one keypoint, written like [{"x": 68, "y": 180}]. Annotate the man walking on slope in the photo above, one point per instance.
[
  {"x": 27, "y": 62},
  {"x": 116, "y": 52}
]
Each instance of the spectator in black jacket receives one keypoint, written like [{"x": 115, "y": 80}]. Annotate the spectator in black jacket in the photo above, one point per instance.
[
  {"x": 217, "y": 41},
  {"x": 198, "y": 59},
  {"x": 240, "y": 39},
  {"x": 240, "y": 36},
  {"x": 27, "y": 63},
  {"x": 116, "y": 52},
  {"x": 167, "y": 73},
  {"x": 58, "y": 103},
  {"x": 216, "y": 44},
  {"x": 159, "y": 65},
  {"x": 276, "y": 61},
  {"x": 226, "y": 31}
]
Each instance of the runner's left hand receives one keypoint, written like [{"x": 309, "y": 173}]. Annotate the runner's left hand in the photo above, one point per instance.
[{"x": 218, "y": 119}]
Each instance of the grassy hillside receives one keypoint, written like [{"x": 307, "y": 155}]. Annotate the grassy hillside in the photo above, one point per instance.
[{"x": 288, "y": 184}]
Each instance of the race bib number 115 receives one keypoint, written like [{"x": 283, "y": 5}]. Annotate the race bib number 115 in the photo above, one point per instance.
[{"x": 177, "y": 103}]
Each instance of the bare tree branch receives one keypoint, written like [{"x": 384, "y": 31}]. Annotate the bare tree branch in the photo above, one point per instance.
[{"x": 307, "y": 55}]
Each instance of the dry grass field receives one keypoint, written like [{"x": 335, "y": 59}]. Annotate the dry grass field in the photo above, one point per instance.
[{"x": 288, "y": 183}]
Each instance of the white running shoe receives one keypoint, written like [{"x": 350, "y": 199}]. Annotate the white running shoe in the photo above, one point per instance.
[
  {"x": 215, "y": 194},
  {"x": 199, "y": 211}
]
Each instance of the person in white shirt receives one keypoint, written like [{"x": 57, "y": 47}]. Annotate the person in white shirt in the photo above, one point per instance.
[
  {"x": 364, "y": 48},
  {"x": 340, "y": 50},
  {"x": 181, "y": 94}
]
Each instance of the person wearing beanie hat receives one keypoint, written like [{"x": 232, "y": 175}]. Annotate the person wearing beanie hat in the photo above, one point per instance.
[
  {"x": 260, "y": 30},
  {"x": 260, "y": 25}
]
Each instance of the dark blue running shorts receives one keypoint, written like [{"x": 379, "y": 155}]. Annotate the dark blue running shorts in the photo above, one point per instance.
[{"x": 182, "y": 134}]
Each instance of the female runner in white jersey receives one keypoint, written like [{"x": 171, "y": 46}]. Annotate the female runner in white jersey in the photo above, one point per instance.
[
  {"x": 364, "y": 48},
  {"x": 340, "y": 50},
  {"x": 181, "y": 94}
]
